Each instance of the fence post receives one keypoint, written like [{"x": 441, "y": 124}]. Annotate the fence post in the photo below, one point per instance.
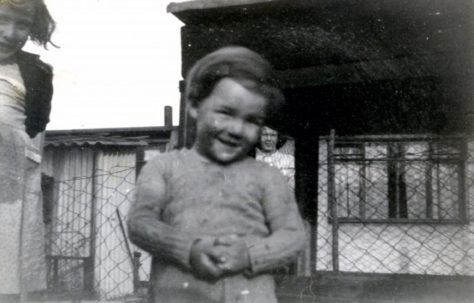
[
  {"x": 168, "y": 116},
  {"x": 89, "y": 267},
  {"x": 307, "y": 187},
  {"x": 55, "y": 274},
  {"x": 462, "y": 182},
  {"x": 185, "y": 125},
  {"x": 136, "y": 275},
  {"x": 332, "y": 201}
]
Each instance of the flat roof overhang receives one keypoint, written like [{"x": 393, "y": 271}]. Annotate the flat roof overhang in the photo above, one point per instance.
[
  {"x": 372, "y": 48},
  {"x": 349, "y": 40}
]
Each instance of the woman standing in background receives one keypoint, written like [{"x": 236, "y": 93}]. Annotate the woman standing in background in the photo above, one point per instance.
[
  {"x": 25, "y": 103},
  {"x": 271, "y": 152}
]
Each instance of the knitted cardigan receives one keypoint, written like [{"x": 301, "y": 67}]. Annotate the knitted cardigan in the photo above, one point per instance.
[{"x": 38, "y": 79}]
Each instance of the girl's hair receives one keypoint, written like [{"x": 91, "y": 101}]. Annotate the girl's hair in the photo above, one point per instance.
[
  {"x": 242, "y": 65},
  {"x": 43, "y": 24}
]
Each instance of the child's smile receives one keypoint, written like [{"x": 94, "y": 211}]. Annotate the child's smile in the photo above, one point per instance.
[{"x": 228, "y": 121}]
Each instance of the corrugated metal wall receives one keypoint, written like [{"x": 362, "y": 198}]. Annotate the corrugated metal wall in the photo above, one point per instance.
[
  {"x": 115, "y": 180},
  {"x": 87, "y": 178},
  {"x": 69, "y": 233}
]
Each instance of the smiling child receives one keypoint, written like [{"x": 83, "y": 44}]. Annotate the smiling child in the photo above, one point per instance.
[{"x": 215, "y": 220}]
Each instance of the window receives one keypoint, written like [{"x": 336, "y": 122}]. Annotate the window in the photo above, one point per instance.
[{"x": 399, "y": 180}]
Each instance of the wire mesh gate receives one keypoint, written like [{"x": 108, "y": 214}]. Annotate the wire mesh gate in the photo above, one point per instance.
[
  {"x": 396, "y": 204},
  {"x": 88, "y": 253}
]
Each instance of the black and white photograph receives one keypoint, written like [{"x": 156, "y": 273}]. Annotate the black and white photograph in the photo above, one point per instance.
[{"x": 237, "y": 151}]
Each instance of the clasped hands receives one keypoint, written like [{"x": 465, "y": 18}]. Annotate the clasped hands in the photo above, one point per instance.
[{"x": 212, "y": 258}]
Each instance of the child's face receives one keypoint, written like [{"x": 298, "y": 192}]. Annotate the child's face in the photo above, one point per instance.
[
  {"x": 15, "y": 25},
  {"x": 228, "y": 121}
]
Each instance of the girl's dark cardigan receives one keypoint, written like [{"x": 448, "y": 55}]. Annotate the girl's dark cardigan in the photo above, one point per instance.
[{"x": 38, "y": 80}]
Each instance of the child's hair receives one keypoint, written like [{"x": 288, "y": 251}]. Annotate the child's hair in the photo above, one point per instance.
[
  {"x": 240, "y": 64},
  {"x": 43, "y": 24}
]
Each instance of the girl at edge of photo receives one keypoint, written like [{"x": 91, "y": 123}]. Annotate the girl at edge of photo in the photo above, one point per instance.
[{"x": 25, "y": 104}]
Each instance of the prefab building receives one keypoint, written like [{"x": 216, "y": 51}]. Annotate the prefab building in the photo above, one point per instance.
[
  {"x": 88, "y": 181},
  {"x": 380, "y": 104}
]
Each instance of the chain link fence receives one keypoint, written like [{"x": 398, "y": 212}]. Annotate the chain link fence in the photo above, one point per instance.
[
  {"x": 89, "y": 255},
  {"x": 396, "y": 205}
]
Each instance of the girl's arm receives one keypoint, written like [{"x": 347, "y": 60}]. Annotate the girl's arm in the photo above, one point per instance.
[{"x": 287, "y": 236}]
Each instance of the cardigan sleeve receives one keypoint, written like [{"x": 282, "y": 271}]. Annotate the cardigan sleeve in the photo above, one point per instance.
[
  {"x": 39, "y": 93},
  {"x": 145, "y": 227},
  {"x": 287, "y": 234}
]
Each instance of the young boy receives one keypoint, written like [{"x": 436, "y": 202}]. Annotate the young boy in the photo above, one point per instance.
[{"x": 215, "y": 220}]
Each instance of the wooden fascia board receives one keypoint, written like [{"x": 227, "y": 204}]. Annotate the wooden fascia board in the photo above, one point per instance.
[
  {"x": 177, "y": 7},
  {"x": 399, "y": 68}
]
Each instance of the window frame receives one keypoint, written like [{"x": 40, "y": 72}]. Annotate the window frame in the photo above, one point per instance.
[{"x": 399, "y": 159}]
